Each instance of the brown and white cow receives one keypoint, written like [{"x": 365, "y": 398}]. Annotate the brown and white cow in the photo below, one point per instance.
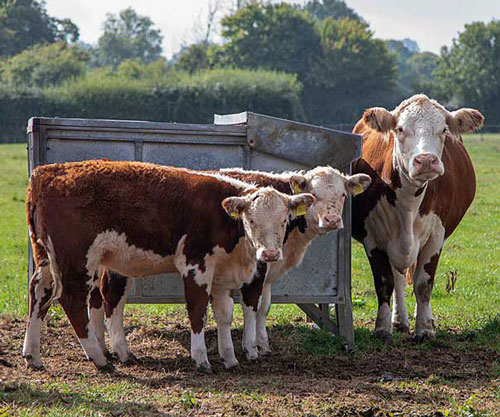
[
  {"x": 422, "y": 184},
  {"x": 141, "y": 219},
  {"x": 330, "y": 189}
]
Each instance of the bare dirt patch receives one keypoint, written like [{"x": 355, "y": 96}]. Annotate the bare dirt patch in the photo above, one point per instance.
[{"x": 406, "y": 378}]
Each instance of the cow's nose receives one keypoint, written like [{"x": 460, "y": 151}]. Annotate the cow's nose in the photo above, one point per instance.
[
  {"x": 333, "y": 221},
  {"x": 270, "y": 255},
  {"x": 425, "y": 161}
]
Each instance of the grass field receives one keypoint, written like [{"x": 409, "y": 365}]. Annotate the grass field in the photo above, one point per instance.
[{"x": 308, "y": 374}]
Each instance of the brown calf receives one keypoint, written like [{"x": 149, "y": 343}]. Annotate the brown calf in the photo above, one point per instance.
[{"x": 139, "y": 219}]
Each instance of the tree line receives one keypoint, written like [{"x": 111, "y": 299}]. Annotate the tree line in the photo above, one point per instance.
[{"x": 322, "y": 53}]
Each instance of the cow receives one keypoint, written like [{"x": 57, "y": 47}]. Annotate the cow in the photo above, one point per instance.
[
  {"x": 140, "y": 219},
  {"x": 330, "y": 188},
  {"x": 423, "y": 182}
]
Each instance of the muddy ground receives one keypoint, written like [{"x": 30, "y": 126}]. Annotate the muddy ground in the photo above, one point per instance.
[{"x": 404, "y": 379}]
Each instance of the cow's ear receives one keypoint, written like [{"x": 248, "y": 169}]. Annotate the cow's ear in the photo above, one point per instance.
[
  {"x": 357, "y": 183},
  {"x": 298, "y": 183},
  {"x": 379, "y": 119},
  {"x": 464, "y": 121},
  {"x": 235, "y": 206},
  {"x": 300, "y": 203}
]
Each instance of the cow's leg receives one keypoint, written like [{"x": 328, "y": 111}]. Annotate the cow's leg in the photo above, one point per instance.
[
  {"x": 96, "y": 314},
  {"x": 262, "y": 339},
  {"x": 423, "y": 283},
  {"x": 251, "y": 297},
  {"x": 115, "y": 288},
  {"x": 197, "y": 287},
  {"x": 223, "y": 306},
  {"x": 384, "y": 286},
  {"x": 40, "y": 292},
  {"x": 75, "y": 302},
  {"x": 399, "y": 313}
]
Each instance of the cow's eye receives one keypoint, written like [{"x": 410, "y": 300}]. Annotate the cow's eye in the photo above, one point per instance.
[
  {"x": 445, "y": 130},
  {"x": 250, "y": 221},
  {"x": 400, "y": 129}
]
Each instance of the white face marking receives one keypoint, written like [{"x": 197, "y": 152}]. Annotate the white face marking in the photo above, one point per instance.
[
  {"x": 419, "y": 139},
  {"x": 265, "y": 221},
  {"x": 328, "y": 186}
]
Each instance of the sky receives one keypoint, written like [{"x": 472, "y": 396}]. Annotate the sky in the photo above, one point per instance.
[{"x": 432, "y": 23}]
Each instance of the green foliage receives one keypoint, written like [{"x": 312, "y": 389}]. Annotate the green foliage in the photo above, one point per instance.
[
  {"x": 134, "y": 68},
  {"x": 194, "y": 57},
  {"x": 414, "y": 68},
  {"x": 156, "y": 94},
  {"x": 355, "y": 71},
  {"x": 44, "y": 65},
  {"x": 276, "y": 37},
  {"x": 24, "y": 23},
  {"x": 127, "y": 36},
  {"x": 338, "y": 9},
  {"x": 469, "y": 71}
]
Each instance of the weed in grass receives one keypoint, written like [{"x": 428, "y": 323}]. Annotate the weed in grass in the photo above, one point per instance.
[{"x": 188, "y": 400}]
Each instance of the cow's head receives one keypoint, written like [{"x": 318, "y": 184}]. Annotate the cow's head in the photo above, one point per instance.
[
  {"x": 265, "y": 213},
  {"x": 330, "y": 189},
  {"x": 420, "y": 127}
]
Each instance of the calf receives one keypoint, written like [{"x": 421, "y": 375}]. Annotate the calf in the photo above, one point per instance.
[
  {"x": 141, "y": 219},
  {"x": 422, "y": 184},
  {"x": 330, "y": 189}
]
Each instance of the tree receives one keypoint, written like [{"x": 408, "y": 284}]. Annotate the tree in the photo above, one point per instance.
[
  {"x": 276, "y": 37},
  {"x": 193, "y": 58},
  {"x": 128, "y": 36},
  {"x": 321, "y": 9},
  {"x": 43, "y": 65},
  {"x": 421, "y": 67},
  {"x": 469, "y": 72},
  {"x": 24, "y": 23},
  {"x": 355, "y": 71}
]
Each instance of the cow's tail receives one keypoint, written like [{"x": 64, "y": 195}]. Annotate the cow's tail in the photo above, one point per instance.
[
  {"x": 409, "y": 274},
  {"x": 43, "y": 249}
]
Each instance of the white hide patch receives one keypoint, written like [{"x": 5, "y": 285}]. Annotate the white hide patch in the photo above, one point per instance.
[
  {"x": 111, "y": 250},
  {"x": 400, "y": 231}
]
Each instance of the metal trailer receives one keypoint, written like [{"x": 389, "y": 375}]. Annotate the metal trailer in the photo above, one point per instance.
[{"x": 247, "y": 140}]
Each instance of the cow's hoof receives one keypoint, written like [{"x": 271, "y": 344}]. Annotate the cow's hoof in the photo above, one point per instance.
[
  {"x": 131, "y": 359},
  {"x": 32, "y": 363},
  {"x": 384, "y": 336},
  {"x": 205, "y": 369},
  {"x": 401, "y": 328},
  {"x": 231, "y": 364},
  {"x": 109, "y": 368},
  {"x": 109, "y": 356},
  {"x": 251, "y": 355},
  {"x": 264, "y": 352},
  {"x": 421, "y": 337}
]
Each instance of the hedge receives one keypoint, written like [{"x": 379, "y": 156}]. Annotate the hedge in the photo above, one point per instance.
[{"x": 177, "y": 97}]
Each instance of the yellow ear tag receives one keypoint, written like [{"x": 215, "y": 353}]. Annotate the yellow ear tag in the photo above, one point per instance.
[
  {"x": 296, "y": 189},
  {"x": 358, "y": 189},
  {"x": 301, "y": 210},
  {"x": 235, "y": 215}
]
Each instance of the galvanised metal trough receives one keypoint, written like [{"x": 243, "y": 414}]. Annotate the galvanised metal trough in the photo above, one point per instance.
[{"x": 247, "y": 140}]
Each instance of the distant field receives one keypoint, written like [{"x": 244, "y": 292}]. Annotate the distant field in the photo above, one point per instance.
[{"x": 464, "y": 360}]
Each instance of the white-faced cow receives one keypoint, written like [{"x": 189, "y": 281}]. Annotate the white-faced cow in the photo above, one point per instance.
[
  {"x": 330, "y": 189},
  {"x": 422, "y": 184},
  {"x": 141, "y": 219}
]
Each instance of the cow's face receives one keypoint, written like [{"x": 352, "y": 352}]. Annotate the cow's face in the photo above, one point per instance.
[
  {"x": 330, "y": 189},
  {"x": 265, "y": 214},
  {"x": 420, "y": 127}
]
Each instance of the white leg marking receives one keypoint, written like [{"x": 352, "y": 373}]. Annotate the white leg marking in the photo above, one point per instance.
[
  {"x": 383, "y": 324},
  {"x": 223, "y": 306},
  {"x": 262, "y": 339},
  {"x": 249, "y": 332},
  {"x": 116, "y": 330},
  {"x": 399, "y": 312},
  {"x": 42, "y": 282}
]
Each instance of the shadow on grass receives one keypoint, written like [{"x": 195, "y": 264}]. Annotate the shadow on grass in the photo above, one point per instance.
[{"x": 27, "y": 396}]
